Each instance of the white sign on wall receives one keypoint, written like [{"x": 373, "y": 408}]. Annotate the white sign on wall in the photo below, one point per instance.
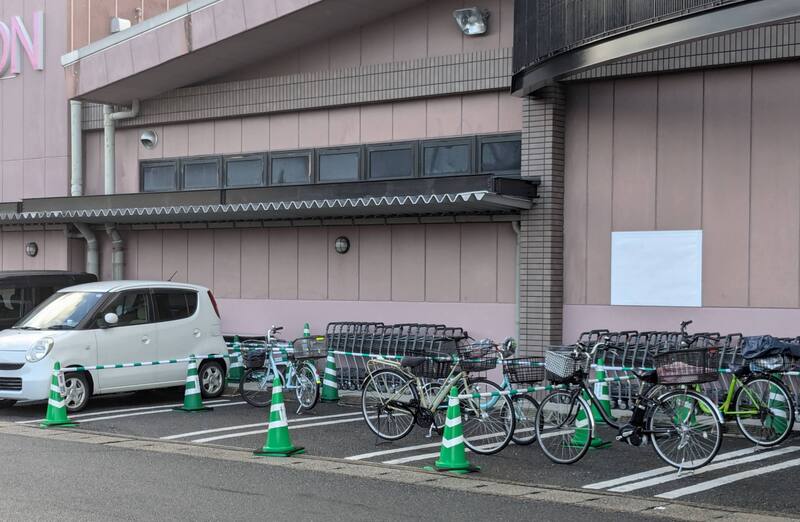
[{"x": 657, "y": 268}]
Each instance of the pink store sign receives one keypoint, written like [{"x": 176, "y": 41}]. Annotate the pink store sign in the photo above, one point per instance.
[{"x": 15, "y": 38}]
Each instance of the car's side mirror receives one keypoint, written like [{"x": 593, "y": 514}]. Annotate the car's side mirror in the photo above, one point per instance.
[{"x": 111, "y": 319}]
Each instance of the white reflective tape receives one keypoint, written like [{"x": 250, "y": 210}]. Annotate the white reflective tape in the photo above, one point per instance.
[
  {"x": 581, "y": 423},
  {"x": 330, "y": 371},
  {"x": 452, "y": 401},
  {"x": 777, "y": 397},
  {"x": 280, "y": 423},
  {"x": 331, "y": 384},
  {"x": 778, "y": 413},
  {"x": 55, "y": 389},
  {"x": 449, "y": 443},
  {"x": 194, "y": 391},
  {"x": 601, "y": 391},
  {"x": 276, "y": 407},
  {"x": 277, "y": 389},
  {"x": 453, "y": 422},
  {"x": 55, "y": 404}
]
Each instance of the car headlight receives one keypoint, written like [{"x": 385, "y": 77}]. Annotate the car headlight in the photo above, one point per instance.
[{"x": 39, "y": 350}]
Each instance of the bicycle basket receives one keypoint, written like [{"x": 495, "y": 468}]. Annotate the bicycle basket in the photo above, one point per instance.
[
  {"x": 435, "y": 366},
  {"x": 561, "y": 365},
  {"x": 309, "y": 348},
  {"x": 694, "y": 366},
  {"x": 524, "y": 370},
  {"x": 477, "y": 357},
  {"x": 255, "y": 358},
  {"x": 772, "y": 364}
]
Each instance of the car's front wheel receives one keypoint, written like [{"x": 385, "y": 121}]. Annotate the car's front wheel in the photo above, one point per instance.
[
  {"x": 77, "y": 391},
  {"x": 212, "y": 379}
]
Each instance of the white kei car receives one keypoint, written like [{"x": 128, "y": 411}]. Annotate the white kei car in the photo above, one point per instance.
[{"x": 108, "y": 323}]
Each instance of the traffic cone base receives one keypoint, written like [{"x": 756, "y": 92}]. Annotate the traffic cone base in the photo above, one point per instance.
[
  {"x": 56, "y": 408},
  {"x": 279, "y": 442},
  {"x": 192, "y": 397},
  {"x": 453, "y": 453}
]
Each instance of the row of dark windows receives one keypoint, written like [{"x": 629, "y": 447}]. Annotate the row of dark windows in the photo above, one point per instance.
[{"x": 497, "y": 153}]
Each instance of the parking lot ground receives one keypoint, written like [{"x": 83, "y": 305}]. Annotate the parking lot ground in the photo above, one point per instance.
[{"x": 740, "y": 476}]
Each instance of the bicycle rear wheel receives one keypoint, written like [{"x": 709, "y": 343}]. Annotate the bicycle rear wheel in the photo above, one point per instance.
[
  {"x": 563, "y": 427},
  {"x": 388, "y": 402},
  {"x": 764, "y": 411},
  {"x": 256, "y": 386},
  {"x": 487, "y": 422},
  {"x": 525, "y": 409},
  {"x": 685, "y": 429},
  {"x": 307, "y": 390}
]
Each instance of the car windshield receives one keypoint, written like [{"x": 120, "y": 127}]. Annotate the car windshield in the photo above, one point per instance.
[{"x": 62, "y": 311}]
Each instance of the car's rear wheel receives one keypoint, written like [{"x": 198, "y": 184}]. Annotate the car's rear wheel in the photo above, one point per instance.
[
  {"x": 7, "y": 403},
  {"x": 77, "y": 391},
  {"x": 212, "y": 379}
]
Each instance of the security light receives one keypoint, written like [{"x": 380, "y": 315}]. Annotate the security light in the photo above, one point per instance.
[
  {"x": 472, "y": 20},
  {"x": 341, "y": 245},
  {"x": 149, "y": 139},
  {"x": 32, "y": 249}
]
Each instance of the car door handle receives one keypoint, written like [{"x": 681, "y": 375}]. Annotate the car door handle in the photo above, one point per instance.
[
  {"x": 145, "y": 339},
  {"x": 196, "y": 332}
]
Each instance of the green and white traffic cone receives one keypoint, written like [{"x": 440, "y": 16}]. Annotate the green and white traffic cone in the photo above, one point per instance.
[
  {"x": 582, "y": 429},
  {"x": 778, "y": 420},
  {"x": 306, "y": 330},
  {"x": 601, "y": 391},
  {"x": 192, "y": 397},
  {"x": 453, "y": 453},
  {"x": 56, "y": 404},
  {"x": 236, "y": 367},
  {"x": 278, "y": 443},
  {"x": 330, "y": 387}
]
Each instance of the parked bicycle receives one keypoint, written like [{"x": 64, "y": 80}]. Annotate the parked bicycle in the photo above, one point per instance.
[
  {"x": 684, "y": 426},
  {"x": 291, "y": 361},
  {"x": 398, "y": 394},
  {"x": 527, "y": 371}
]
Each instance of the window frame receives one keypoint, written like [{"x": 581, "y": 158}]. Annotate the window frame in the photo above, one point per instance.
[
  {"x": 160, "y": 163},
  {"x": 495, "y": 138},
  {"x": 196, "y": 161},
  {"x": 184, "y": 292},
  {"x": 324, "y": 151},
  {"x": 412, "y": 145},
  {"x": 99, "y": 313},
  {"x": 226, "y": 160},
  {"x": 309, "y": 153},
  {"x": 469, "y": 141}
]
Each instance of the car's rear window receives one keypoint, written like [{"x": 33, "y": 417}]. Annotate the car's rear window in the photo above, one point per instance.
[{"x": 172, "y": 305}]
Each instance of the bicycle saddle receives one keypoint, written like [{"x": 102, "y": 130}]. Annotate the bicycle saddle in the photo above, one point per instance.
[
  {"x": 648, "y": 376},
  {"x": 412, "y": 362}
]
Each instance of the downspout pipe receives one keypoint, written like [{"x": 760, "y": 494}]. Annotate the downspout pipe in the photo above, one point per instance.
[
  {"x": 92, "y": 251},
  {"x": 76, "y": 184},
  {"x": 515, "y": 227},
  {"x": 117, "y": 252}
]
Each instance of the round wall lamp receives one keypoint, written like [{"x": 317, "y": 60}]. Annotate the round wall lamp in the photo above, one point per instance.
[
  {"x": 32, "y": 249},
  {"x": 341, "y": 245}
]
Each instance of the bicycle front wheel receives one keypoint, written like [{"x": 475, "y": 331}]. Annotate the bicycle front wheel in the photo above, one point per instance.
[
  {"x": 525, "y": 409},
  {"x": 256, "y": 386},
  {"x": 388, "y": 402},
  {"x": 764, "y": 411},
  {"x": 563, "y": 427},
  {"x": 487, "y": 422},
  {"x": 685, "y": 429},
  {"x": 307, "y": 390}
]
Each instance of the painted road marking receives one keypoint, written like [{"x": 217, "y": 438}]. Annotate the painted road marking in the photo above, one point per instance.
[
  {"x": 660, "y": 471},
  {"x": 711, "y": 484},
  {"x": 711, "y": 467},
  {"x": 256, "y": 425},
  {"x": 126, "y": 410},
  {"x": 151, "y": 412},
  {"x": 261, "y": 432}
]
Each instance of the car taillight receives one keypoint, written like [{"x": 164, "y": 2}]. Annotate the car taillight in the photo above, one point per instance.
[{"x": 214, "y": 303}]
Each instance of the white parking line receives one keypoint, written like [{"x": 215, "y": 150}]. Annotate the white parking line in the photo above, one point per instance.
[
  {"x": 151, "y": 412},
  {"x": 126, "y": 410},
  {"x": 258, "y": 432},
  {"x": 413, "y": 458},
  {"x": 256, "y": 425},
  {"x": 711, "y": 484},
  {"x": 660, "y": 471},
  {"x": 711, "y": 467}
]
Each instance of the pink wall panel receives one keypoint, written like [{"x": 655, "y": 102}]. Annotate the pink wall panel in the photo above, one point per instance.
[
  {"x": 408, "y": 119},
  {"x": 176, "y": 255},
  {"x": 635, "y": 118},
  {"x": 506, "y": 22},
  {"x": 444, "y": 116},
  {"x": 77, "y": 255},
  {"x": 283, "y": 131},
  {"x": 599, "y": 185},
  {"x": 375, "y": 263},
  {"x": 203, "y": 32},
  {"x": 228, "y": 18},
  {"x": 13, "y": 180},
  {"x": 411, "y": 34},
  {"x": 255, "y": 263},
  {"x": 479, "y": 265},
  {"x": 33, "y": 97},
  {"x": 490, "y": 40},
  {"x": 443, "y": 263},
  {"x": 506, "y": 264},
  {"x": 408, "y": 263},
  {"x": 313, "y": 129},
  {"x": 345, "y": 50},
  {"x": 227, "y": 263},
  {"x": 13, "y": 113},
  {"x": 175, "y": 140},
  {"x": 38, "y": 262},
  {"x": 312, "y": 263},
  {"x": 314, "y": 57},
  {"x": 199, "y": 252},
  {"x": 344, "y": 126},
  {"x": 342, "y": 268},
  {"x": 444, "y": 36},
  {"x": 13, "y": 251},
  {"x": 477, "y": 111},
  {"x": 257, "y": 12},
  {"x": 201, "y": 138},
  {"x": 726, "y": 187},
  {"x": 32, "y": 178},
  {"x": 283, "y": 263},
  {"x": 104, "y": 245},
  {"x": 680, "y": 152},
  {"x": 575, "y": 194},
  {"x": 377, "y": 42},
  {"x": 56, "y": 251},
  {"x": 99, "y": 18},
  {"x": 80, "y": 23},
  {"x": 509, "y": 112},
  {"x": 126, "y": 160},
  {"x": 255, "y": 134},
  {"x": 377, "y": 122},
  {"x": 150, "y": 250},
  {"x": 131, "y": 267},
  {"x": 775, "y": 187},
  {"x": 228, "y": 136},
  {"x": 56, "y": 176}
]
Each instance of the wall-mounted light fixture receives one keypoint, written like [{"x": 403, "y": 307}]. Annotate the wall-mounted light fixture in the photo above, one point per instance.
[
  {"x": 341, "y": 245},
  {"x": 31, "y": 249},
  {"x": 473, "y": 21},
  {"x": 149, "y": 139}
]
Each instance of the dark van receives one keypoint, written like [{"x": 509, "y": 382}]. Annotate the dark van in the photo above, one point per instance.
[{"x": 22, "y": 291}]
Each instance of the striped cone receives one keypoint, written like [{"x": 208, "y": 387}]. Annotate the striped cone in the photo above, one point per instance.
[
  {"x": 601, "y": 391},
  {"x": 582, "y": 430},
  {"x": 306, "y": 330},
  {"x": 236, "y": 367},
  {"x": 192, "y": 398},
  {"x": 56, "y": 404},
  {"x": 278, "y": 443},
  {"x": 778, "y": 420},
  {"x": 453, "y": 453},
  {"x": 330, "y": 388}
]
